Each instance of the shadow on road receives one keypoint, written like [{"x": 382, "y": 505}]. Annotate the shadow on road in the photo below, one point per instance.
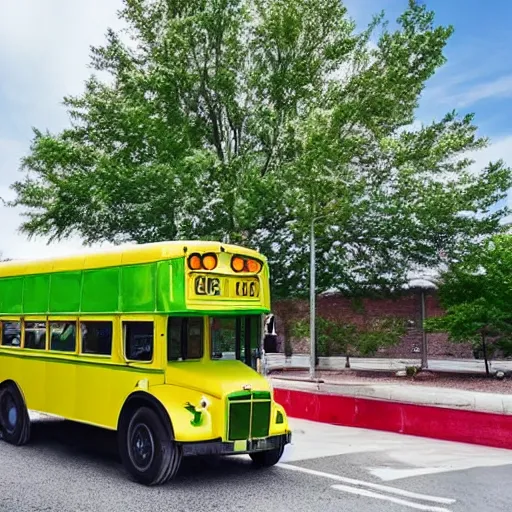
[
  {"x": 66, "y": 436},
  {"x": 86, "y": 444}
]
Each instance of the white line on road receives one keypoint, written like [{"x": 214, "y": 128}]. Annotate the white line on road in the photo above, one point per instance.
[
  {"x": 362, "y": 483},
  {"x": 398, "y": 501}
]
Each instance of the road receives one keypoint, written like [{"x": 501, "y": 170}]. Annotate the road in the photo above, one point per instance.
[{"x": 75, "y": 468}]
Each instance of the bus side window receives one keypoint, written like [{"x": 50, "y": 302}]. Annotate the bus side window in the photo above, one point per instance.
[
  {"x": 63, "y": 336},
  {"x": 185, "y": 338},
  {"x": 35, "y": 335},
  {"x": 11, "y": 334},
  {"x": 96, "y": 338},
  {"x": 195, "y": 338},
  {"x": 174, "y": 334},
  {"x": 138, "y": 340}
]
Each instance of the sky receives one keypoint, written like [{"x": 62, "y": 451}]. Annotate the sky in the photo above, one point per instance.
[{"x": 44, "y": 56}]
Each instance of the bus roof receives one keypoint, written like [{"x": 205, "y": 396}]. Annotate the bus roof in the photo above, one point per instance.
[{"x": 121, "y": 255}]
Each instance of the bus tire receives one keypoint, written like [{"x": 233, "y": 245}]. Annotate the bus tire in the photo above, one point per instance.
[
  {"x": 14, "y": 418},
  {"x": 147, "y": 451},
  {"x": 267, "y": 458}
]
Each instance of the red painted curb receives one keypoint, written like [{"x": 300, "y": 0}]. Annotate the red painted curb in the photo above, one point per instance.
[{"x": 482, "y": 428}]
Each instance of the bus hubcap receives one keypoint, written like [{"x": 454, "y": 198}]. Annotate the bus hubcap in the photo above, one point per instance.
[
  {"x": 142, "y": 447},
  {"x": 9, "y": 414},
  {"x": 13, "y": 416}
]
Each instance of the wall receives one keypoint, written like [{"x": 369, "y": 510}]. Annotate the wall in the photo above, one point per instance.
[{"x": 337, "y": 307}]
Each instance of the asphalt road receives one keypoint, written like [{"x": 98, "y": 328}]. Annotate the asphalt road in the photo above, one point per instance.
[{"x": 73, "y": 468}]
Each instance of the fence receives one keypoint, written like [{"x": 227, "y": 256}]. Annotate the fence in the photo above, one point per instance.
[{"x": 273, "y": 362}]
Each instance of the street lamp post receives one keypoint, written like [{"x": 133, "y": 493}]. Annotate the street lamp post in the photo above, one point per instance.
[
  {"x": 312, "y": 292},
  {"x": 424, "y": 351},
  {"x": 312, "y": 302},
  {"x": 423, "y": 284}
]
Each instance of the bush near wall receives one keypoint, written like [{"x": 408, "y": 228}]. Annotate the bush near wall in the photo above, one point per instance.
[
  {"x": 336, "y": 337},
  {"x": 362, "y": 311}
]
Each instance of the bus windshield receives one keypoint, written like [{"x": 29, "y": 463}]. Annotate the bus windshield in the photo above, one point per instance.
[{"x": 235, "y": 337}]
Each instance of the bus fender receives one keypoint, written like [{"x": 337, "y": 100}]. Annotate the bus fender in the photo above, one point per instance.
[
  {"x": 9, "y": 382},
  {"x": 143, "y": 398},
  {"x": 193, "y": 413}
]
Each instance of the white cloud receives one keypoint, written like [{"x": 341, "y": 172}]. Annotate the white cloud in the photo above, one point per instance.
[
  {"x": 499, "y": 88},
  {"x": 499, "y": 149},
  {"x": 44, "y": 52},
  {"x": 12, "y": 243},
  {"x": 44, "y": 55}
]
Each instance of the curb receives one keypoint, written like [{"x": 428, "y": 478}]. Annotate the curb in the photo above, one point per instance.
[
  {"x": 465, "y": 426},
  {"x": 406, "y": 393}
]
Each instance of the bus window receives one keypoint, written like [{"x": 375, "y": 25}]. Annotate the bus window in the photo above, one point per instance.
[
  {"x": 63, "y": 336},
  {"x": 138, "y": 340},
  {"x": 185, "y": 338},
  {"x": 96, "y": 338},
  {"x": 11, "y": 334},
  {"x": 236, "y": 337},
  {"x": 35, "y": 335},
  {"x": 225, "y": 335}
]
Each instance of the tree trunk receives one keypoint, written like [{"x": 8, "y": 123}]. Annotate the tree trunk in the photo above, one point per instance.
[
  {"x": 347, "y": 360},
  {"x": 484, "y": 348}
]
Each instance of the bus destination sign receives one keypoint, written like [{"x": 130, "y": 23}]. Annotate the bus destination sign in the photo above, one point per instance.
[
  {"x": 229, "y": 288},
  {"x": 205, "y": 285},
  {"x": 247, "y": 289}
]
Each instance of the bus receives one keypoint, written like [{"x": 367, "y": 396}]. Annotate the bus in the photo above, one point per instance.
[{"x": 157, "y": 342}]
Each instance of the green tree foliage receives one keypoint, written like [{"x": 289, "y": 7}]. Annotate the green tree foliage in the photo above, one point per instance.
[
  {"x": 477, "y": 296},
  {"x": 244, "y": 120}
]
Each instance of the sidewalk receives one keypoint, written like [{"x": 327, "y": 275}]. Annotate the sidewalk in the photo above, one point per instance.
[{"x": 427, "y": 411}]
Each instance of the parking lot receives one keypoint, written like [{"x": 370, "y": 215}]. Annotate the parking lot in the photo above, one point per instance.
[{"x": 70, "y": 467}]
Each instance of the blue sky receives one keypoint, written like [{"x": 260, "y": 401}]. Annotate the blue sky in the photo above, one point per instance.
[
  {"x": 44, "y": 54},
  {"x": 478, "y": 74}
]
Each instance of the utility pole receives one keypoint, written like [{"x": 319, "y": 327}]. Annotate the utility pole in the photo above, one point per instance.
[{"x": 312, "y": 301}]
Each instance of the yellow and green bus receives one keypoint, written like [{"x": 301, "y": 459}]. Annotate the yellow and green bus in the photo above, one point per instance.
[{"x": 158, "y": 342}]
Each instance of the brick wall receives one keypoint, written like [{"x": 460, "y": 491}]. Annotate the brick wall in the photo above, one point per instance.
[{"x": 406, "y": 306}]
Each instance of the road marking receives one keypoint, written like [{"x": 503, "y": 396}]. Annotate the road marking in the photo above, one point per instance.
[
  {"x": 398, "y": 501},
  {"x": 388, "y": 474},
  {"x": 370, "y": 485}
]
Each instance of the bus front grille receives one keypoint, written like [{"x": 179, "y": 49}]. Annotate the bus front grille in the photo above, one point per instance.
[{"x": 248, "y": 415}]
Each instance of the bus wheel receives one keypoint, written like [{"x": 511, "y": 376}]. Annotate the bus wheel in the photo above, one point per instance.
[
  {"x": 14, "y": 418},
  {"x": 267, "y": 458},
  {"x": 147, "y": 451}
]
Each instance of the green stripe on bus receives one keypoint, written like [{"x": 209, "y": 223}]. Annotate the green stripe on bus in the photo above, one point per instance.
[
  {"x": 142, "y": 288},
  {"x": 80, "y": 362}
]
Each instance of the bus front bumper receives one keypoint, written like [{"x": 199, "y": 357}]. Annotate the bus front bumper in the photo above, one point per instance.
[{"x": 218, "y": 447}]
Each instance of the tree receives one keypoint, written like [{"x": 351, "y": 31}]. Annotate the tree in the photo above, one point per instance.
[
  {"x": 250, "y": 120},
  {"x": 477, "y": 296}
]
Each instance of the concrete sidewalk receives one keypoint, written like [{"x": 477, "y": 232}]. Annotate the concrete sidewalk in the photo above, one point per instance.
[{"x": 406, "y": 393}]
